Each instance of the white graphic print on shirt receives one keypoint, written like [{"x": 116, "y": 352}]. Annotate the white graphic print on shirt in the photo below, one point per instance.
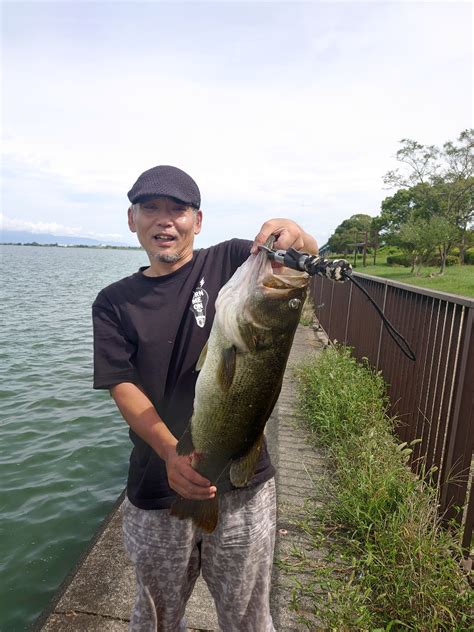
[{"x": 199, "y": 303}]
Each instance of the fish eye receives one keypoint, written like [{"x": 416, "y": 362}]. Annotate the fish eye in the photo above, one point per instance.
[{"x": 294, "y": 303}]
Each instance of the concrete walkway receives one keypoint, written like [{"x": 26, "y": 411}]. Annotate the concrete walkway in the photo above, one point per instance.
[{"x": 99, "y": 594}]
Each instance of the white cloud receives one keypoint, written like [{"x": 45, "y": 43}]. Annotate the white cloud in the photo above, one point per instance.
[
  {"x": 281, "y": 110},
  {"x": 53, "y": 228},
  {"x": 38, "y": 227}
]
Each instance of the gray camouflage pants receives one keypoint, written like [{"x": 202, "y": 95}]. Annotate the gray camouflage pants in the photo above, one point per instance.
[{"x": 235, "y": 560}]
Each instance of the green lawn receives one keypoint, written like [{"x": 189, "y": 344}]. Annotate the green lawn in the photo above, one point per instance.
[{"x": 456, "y": 279}]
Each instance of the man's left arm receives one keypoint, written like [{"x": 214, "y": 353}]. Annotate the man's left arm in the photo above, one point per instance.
[{"x": 288, "y": 234}]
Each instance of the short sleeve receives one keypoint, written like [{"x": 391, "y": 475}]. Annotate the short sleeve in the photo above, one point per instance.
[
  {"x": 239, "y": 251},
  {"x": 113, "y": 349}
]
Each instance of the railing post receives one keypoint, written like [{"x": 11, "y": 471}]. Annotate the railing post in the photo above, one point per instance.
[
  {"x": 381, "y": 328},
  {"x": 460, "y": 435},
  {"x": 348, "y": 314},
  {"x": 330, "y": 310}
]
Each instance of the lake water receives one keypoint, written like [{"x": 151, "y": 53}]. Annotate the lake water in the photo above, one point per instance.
[{"x": 64, "y": 447}]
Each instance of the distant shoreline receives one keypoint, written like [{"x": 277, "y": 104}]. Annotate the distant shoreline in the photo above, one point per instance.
[{"x": 56, "y": 245}]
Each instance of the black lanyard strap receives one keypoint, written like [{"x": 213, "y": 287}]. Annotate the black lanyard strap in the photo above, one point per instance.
[{"x": 339, "y": 271}]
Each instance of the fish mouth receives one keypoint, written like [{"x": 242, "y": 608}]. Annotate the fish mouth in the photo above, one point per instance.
[
  {"x": 254, "y": 298},
  {"x": 285, "y": 281},
  {"x": 277, "y": 278}
]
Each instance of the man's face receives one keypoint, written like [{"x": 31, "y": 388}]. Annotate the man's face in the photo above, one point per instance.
[{"x": 166, "y": 228}]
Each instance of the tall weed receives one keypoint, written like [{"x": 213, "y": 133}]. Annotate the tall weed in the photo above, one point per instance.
[{"x": 390, "y": 564}]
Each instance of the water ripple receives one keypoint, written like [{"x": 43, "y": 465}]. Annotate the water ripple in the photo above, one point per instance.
[{"x": 64, "y": 448}]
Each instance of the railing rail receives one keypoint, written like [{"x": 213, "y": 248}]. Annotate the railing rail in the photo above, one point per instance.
[{"x": 434, "y": 396}]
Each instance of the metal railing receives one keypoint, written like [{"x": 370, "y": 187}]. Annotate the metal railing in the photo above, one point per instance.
[{"x": 432, "y": 397}]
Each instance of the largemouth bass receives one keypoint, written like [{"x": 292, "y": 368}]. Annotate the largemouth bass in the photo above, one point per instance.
[{"x": 241, "y": 372}]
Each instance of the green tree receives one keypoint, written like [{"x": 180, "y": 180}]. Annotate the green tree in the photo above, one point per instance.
[
  {"x": 417, "y": 202},
  {"x": 421, "y": 237},
  {"x": 397, "y": 210},
  {"x": 460, "y": 172},
  {"x": 434, "y": 183},
  {"x": 351, "y": 231},
  {"x": 376, "y": 226}
]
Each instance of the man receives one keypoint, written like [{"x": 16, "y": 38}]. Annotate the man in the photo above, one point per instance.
[{"x": 149, "y": 329}]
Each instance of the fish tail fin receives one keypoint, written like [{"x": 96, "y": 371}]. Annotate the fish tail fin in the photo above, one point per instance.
[{"x": 204, "y": 513}]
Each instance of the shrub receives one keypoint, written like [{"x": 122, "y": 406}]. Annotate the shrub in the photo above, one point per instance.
[
  {"x": 399, "y": 260},
  {"x": 451, "y": 260},
  {"x": 469, "y": 256}
]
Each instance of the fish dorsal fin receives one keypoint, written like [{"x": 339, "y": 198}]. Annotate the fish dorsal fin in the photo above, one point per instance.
[
  {"x": 226, "y": 367},
  {"x": 202, "y": 357},
  {"x": 242, "y": 470}
]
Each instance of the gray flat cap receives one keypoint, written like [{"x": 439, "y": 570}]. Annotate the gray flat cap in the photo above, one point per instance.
[{"x": 168, "y": 181}]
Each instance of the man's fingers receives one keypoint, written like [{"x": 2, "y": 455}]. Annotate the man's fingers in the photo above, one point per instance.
[
  {"x": 184, "y": 479},
  {"x": 288, "y": 234},
  {"x": 286, "y": 240},
  {"x": 259, "y": 240},
  {"x": 187, "y": 489},
  {"x": 194, "y": 477}
]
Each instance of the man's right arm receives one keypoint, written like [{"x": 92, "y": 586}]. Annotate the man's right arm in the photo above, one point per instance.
[{"x": 142, "y": 417}]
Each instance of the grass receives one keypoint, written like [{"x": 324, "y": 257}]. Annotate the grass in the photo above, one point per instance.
[
  {"x": 455, "y": 280},
  {"x": 389, "y": 564}
]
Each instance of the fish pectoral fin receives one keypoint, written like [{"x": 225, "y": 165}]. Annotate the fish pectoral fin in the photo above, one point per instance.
[
  {"x": 204, "y": 513},
  {"x": 226, "y": 368},
  {"x": 202, "y": 357},
  {"x": 185, "y": 444},
  {"x": 242, "y": 470}
]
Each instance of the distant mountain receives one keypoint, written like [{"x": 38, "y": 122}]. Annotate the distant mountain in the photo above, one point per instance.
[{"x": 24, "y": 237}]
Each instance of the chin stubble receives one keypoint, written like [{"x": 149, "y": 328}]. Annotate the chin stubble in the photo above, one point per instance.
[{"x": 167, "y": 258}]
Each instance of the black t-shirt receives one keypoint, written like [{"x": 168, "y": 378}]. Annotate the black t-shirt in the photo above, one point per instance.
[{"x": 150, "y": 331}]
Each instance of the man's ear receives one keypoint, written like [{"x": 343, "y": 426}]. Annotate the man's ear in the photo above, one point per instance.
[
  {"x": 131, "y": 220},
  {"x": 198, "y": 222}
]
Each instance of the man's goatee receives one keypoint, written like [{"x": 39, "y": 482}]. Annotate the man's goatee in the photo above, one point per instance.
[{"x": 167, "y": 258}]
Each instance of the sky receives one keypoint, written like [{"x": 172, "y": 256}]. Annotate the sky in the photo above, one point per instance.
[{"x": 276, "y": 109}]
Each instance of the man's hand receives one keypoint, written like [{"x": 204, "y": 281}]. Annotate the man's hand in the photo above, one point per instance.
[
  {"x": 288, "y": 234},
  {"x": 141, "y": 416},
  {"x": 184, "y": 479}
]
